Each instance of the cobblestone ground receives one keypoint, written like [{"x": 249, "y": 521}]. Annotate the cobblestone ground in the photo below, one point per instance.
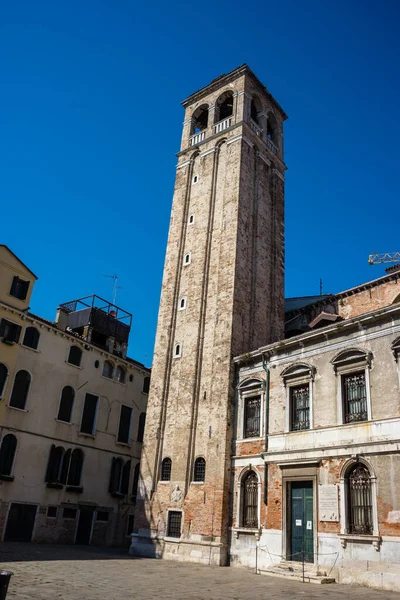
[{"x": 71, "y": 573}]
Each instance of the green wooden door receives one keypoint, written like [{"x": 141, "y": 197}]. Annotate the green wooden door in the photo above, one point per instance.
[{"x": 302, "y": 521}]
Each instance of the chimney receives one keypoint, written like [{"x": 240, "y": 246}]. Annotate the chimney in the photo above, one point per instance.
[{"x": 61, "y": 319}]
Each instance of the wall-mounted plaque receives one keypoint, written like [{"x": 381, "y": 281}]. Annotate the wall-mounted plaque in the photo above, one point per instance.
[{"x": 328, "y": 502}]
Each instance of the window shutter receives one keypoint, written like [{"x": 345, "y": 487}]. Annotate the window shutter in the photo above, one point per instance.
[
  {"x": 124, "y": 424},
  {"x": 126, "y": 471},
  {"x": 2, "y": 327},
  {"x": 89, "y": 413},
  {"x": 20, "y": 390},
  {"x": 75, "y": 470},
  {"x": 65, "y": 467},
  {"x": 49, "y": 470},
  {"x": 142, "y": 421},
  {"x": 7, "y": 452}
]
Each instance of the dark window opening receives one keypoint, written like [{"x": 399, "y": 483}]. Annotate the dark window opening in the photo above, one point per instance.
[
  {"x": 120, "y": 374},
  {"x": 250, "y": 500},
  {"x": 252, "y": 409},
  {"x": 135, "y": 481},
  {"x": 31, "y": 338},
  {"x": 19, "y": 288},
  {"x": 300, "y": 407},
  {"x": 272, "y": 129},
  {"x": 254, "y": 112},
  {"x": 3, "y": 378},
  {"x": 52, "y": 511},
  {"x": 174, "y": 523},
  {"x": 225, "y": 106},
  {"x": 9, "y": 331},
  {"x": 99, "y": 339},
  {"x": 125, "y": 425},
  {"x": 177, "y": 350},
  {"x": 354, "y": 393},
  {"x": 108, "y": 369},
  {"x": 102, "y": 515},
  {"x": 199, "y": 120},
  {"x": 199, "y": 470},
  {"x": 75, "y": 356},
  {"x": 166, "y": 467},
  {"x": 55, "y": 464},
  {"x": 7, "y": 453},
  {"x": 66, "y": 404},
  {"x": 75, "y": 468},
  {"x": 119, "y": 477},
  {"x": 146, "y": 385},
  {"x": 359, "y": 500},
  {"x": 69, "y": 513},
  {"x": 20, "y": 390},
  {"x": 130, "y": 524},
  {"x": 89, "y": 414},
  {"x": 126, "y": 472},
  {"x": 142, "y": 422}
]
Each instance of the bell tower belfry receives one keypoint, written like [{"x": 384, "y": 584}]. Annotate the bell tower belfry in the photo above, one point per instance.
[{"x": 222, "y": 295}]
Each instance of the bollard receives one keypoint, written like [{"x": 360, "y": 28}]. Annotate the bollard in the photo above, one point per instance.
[{"x": 5, "y": 577}]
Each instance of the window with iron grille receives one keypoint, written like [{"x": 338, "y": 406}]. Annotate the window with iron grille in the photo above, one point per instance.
[
  {"x": 300, "y": 407},
  {"x": 252, "y": 410},
  {"x": 359, "y": 500},
  {"x": 166, "y": 467},
  {"x": 354, "y": 394},
  {"x": 174, "y": 523},
  {"x": 250, "y": 500},
  {"x": 199, "y": 470}
]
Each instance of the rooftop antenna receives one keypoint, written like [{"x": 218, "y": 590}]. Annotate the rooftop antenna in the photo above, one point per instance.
[{"x": 116, "y": 287}]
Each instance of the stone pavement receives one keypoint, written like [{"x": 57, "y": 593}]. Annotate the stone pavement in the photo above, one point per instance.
[{"x": 85, "y": 573}]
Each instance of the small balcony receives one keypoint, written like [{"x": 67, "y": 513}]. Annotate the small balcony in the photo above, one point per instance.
[
  {"x": 254, "y": 127},
  {"x": 271, "y": 146},
  {"x": 197, "y": 138},
  {"x": 222, "y": 125}
]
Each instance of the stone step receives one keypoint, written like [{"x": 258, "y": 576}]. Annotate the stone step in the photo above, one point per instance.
[{"x": 294, "y": 570}]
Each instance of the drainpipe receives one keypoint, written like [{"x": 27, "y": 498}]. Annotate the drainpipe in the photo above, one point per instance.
[{"x": 266, "y": 369}]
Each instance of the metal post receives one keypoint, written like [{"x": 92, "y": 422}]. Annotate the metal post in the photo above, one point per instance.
[
  {"x": 303, "y": 562},
  {"x": 256, "y": 557}
]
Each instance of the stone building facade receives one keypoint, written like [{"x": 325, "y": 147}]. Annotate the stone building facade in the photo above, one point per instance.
[
  {"x": 72, "y": 411},
  {"x": 222, "y": 293},
  {"x": 322, "y": 444}
]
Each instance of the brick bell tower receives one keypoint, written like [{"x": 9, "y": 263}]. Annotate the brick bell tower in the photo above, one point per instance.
[{"x": 222, "y": 295}]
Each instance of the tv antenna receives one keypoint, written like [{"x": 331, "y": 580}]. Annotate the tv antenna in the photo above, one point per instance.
[{"x": 116, "y": 287}]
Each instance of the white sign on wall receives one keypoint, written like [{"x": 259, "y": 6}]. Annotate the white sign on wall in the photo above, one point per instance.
[{"x": 328, "y": 502}]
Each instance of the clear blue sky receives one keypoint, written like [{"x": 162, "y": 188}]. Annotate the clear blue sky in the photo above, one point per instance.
[{"x": 90, "y": 121}]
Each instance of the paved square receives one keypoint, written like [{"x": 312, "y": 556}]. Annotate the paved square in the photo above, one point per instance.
[{"x": 83, "y": 573}]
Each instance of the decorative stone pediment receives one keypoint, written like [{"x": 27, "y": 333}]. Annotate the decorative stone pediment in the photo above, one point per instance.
[
  {"x": 297, "y": 371},
  {"x": 350, "y": 357}
]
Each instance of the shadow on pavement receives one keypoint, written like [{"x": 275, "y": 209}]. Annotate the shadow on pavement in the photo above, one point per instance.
[{"x": 24, "y": 552}]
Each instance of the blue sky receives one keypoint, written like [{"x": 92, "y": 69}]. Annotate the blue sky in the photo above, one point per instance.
[{"x": 90, "y": 122}]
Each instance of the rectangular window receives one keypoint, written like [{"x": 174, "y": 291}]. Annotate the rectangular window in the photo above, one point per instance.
[
  {"x": 124, "y": 429},
  {"x": 130, "y": 524},
  {"x": 300, "y": 407},
  {"x": 9, "y": 331},
  {"x": 52, "y": 512},
  {"x": 102, "y": 515},
  {"x": 252, "y": 410},
  {"x": 19, "y": 288},
  {"x": 174, "y": 523},
  {"x": 354, "y": 395},
  {"x": 69, "y": 513},
  {"x": 89, "y": 414}
]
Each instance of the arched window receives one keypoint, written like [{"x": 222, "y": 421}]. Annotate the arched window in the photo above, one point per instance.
[
  {"x": 135, "y": 481},
  {"x": 146, "y": 385},
  {"x": 272, "y": 129},
  {"x": 224, "y": 106},
  {"x": 3, "y": 378},
  {"x": 199, "y": 470},
  {"x": 31, "y": 338},
  {"x": 66, "y": 404},
  {"x": 359, "y": 500},
  {"x": 177, "y": 351},
  {"x": 55, "y": 464},
  {"x": 250, "y": 500},
  {"x": 142, "y": 421},
  {"x": 166, "y": 467},
  {"x": 199, "y": 119},
  {"x": 108, "y": 369},
  {"x": 126, "y": 471},
  {"x": 20, "y": 390},
  {"x": 120, "y": 374},
  {"x": 115, "y": 475},
  {"x": 75, "y": 356},
  {"x": 75, "y": 468},
  {"x": 187, "y": 259},
  {"x": 7, "y": 453},
  {"x": 255, "y": 108}
]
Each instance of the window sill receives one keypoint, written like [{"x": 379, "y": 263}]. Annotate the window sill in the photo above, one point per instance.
[
  {"x": 77, "y": 489},
  {"x": 29, "y": 348},
  {"x": 246, "y": 531},
  {"x": 250, "y": 439},
  {"x": 117, "y": 495},
  {"x": 164, "y": 482},
  {"x": 16, "y": 408},
  {"x": 197, "y": 482},
  {"x": 75, "y": 366},
  {"x": 88, "y": 435},
  {"x": 6, "y": 477},
  {"x": 54, "y": 486},
  {"x": 346, "y": 538},
  {"x": 126, "y": 444},
  {"x": 175, "y": 540},
  {"x": 64, "y": 422}
]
